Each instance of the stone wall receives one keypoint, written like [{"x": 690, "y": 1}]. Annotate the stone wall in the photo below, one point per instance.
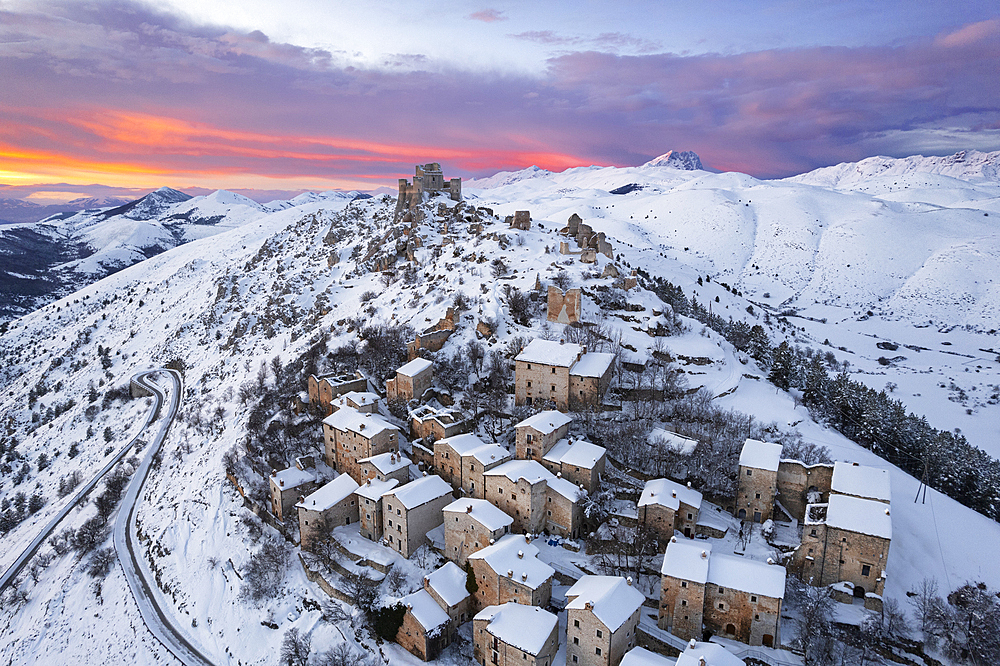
[
  {"x": 343, "y": 512},
  {"x": 829, "y": 555},
  {"x": 564, "y": 307},
  {"x": 409, "y": 527},
  {"x": 537, "y": 384},
  {"x": 755, "y": 494},
  {"x": 745, "y": 617},
  {"x": 794, "y": 481},
  {"x": 682, "y": 607},
  {"x": 527, "y": 437},
  {"x": 345, "y": 447},
  {"x": 464, "y": 535}
]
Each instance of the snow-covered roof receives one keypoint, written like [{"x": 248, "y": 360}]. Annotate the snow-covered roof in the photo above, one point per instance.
[
  {"x": 425, "y": 610},
  {"x": 489, "y": 516},
  {"x": 373, "y": 489},
  {"x": 545, "y": 422},
  {"x": 713, "y": 654},
  {"x": 489, "y": 453},
  {"x": 421, "y": 491},
  {"x": 564, "y": 487},
  {"x": 669, "y": 494},
  {"x": 638, "y": 656},
  {"x": 293, "y": 477},
  {"x": 550, "y": 352},
  {"x": 687, "y": 559},
  {"x": 530, "y": 470},
  {"x": 387, "y": 463},
  {"x": 513, "y": 554},
  {"x": 358, "y": 398},
  {"x": 335, "y": 491},
  {"x": 449, "y": 583},
  {"x": 579, "y": 453},
  {"x": 859, "y": 515},
  {"x": 860, "y": 481},
  {"x": 348, "y": 418},
  {"x": 680, "y": 443},
  {"x": 760, "y": 455},
  {"x": 414, "y": 367},
  {"x": 593, "y": 364},
  {"x": 614, "y": 600},
  {"x": 525, "y": 627},
  {"x": 462, "y": 444},
  {"x": 739, "y": 573}
]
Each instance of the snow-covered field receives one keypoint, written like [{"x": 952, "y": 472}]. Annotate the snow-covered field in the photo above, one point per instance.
[{"x": 221, "y": 303}]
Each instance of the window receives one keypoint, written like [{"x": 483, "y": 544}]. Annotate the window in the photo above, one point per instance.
[
  {"x": 575, "y": 659},
  {"x": 600, "y": 634},
  {"x": 866, "y": 569},
  {"x": 597, "y": 651},
  {"x": 684, "y": 583},
  {"x": 722, "y": 590},
  {"x": 749, "y": 472},
  {"x": 550, "y": 513},
  {"x": 529, "y": 386},
  {"x": 553, "y": 371},
  {"x": 576, "y": 640},
  {"x": 722, "y": 606},
  {"x": 513, "y": 496},
  {"x": 550, "y": 500},
  {"x": 812, "y": 532},
  {"x": 757, "y": 496},
  {"x": 398, "y": 513},
  {"x": 690, "y": 517},
  {"x": 753, "y": 599},
  {"x": 529, "y": 366},
  {"x": 529, "y": 437},
  {"x": 756, "y": 617},
  {"x": 576, "y": 623},
  {"x": 553, "y": 387}
]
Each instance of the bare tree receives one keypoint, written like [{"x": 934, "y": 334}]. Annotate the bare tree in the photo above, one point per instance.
[{"x": 295, "y": 648}]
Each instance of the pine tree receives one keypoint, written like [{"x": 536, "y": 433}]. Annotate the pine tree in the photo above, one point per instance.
[{"x": 781, "y": 367}]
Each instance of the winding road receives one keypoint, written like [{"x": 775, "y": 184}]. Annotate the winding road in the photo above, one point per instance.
[{"x": 136, "y": 571}]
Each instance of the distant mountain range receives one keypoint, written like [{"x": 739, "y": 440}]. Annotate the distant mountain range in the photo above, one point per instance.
[
  {"x": 61, "y": 253},
  {"x": 19, "y": 210}
]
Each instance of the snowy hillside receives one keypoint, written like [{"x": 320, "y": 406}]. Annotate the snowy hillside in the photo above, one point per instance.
[
  {"x": 683, "y": 159},
  {"x": 805, "y": 263},
  {"x": 62, "y": 253},
  {"x": 970, "y": 165}
]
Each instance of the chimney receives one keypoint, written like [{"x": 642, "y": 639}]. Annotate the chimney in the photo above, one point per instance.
[
  {"x": 629, "y": 581},
  {"x": 673, "y": 539},
  {"x": 468, "y": 509},
  {"x": 527, "y": 538},
  {"x": 692, "y": 643},
  {"x": 589, "y": 605},
  {"x": 510, "y": 573},
  {"x": 524, "y": 577},
  {"x": 520, "y": 554},
  {"x": 281, "y": 482},
  {"x": 704, "y": 554},
  {"x": 673, "y": 493},
  {"x": 702, "y": 662}
]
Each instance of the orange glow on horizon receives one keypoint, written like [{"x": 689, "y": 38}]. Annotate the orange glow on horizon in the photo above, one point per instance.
[{"x": 151, "y": 150}]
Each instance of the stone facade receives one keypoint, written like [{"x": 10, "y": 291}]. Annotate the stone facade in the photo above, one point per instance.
[
  {"x": 498, "y": 641},
  {"x": 758, "y": 481},
  {"x": 385, "y": 466},
  {"x": 471, "y": 525},
  {"x": 666, "y": 506},
  {"x": 521, "y": 219},
  {"x": 370, "y": 516},
  {"x": 430, "y": 424},
  {"x": 288, "y": 485},
  {"x": 411, "y": 381},
  {"x": 794, "y": 482},
  {"x": 510, "y": 571},
  {"x": 323, "y": 390},
  {"x": 333, "y": 505},
  {"x": 349, "y": 436},
  {"x": 589, "y": 639},
  {"x": 536, "y": 435},
  {"x": 579, "y": 462},
  {"x": 562, "y": 374},
  {"x": 411, "y": 511},
  {"x": 564, "y": 307},
  {"x": 534, "y": 498},
  {"x": 464, "y": 459}
]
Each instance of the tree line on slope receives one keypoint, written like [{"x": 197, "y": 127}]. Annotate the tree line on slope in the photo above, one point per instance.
[{"x": 871, "y": 418}]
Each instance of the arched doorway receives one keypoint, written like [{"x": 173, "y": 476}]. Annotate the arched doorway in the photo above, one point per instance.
[
  {"x": 742, "y": 515},
  {"x": 768, "y": 640},
  {"x": 859, "y": 592},
  {"x": 731, "y": 629}
]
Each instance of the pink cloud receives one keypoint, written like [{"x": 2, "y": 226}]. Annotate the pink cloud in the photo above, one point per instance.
[
  {"x": 971, "y": 34},
  {"x": 487, "y": 16}
]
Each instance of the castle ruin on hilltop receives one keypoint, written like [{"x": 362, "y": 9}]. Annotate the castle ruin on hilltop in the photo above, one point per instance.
[{"x": 427, "y": 179}]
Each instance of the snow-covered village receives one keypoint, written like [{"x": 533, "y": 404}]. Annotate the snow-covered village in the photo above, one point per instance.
[{"x": 507, "y": 334}]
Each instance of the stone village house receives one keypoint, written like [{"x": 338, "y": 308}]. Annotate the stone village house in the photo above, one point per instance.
[
  {"x": 411, "y": 381},
  {"x": 729, "y": 596},
  {"x": 544, "y": 438},
  {"x": 385, "y": 466},
  {"x": 331, "y": 506},
  {"x": 515, "y": 635},
  {"x": 463, "y": 460},
  {"x": 471, "y": 525},
  {"x": 666, "y": 506},
  {"x": 561, "y": 373},
  {"x": 409, "y": 512},
  {"x": 288, "y": 485},
  {"x": 758, "y": 480},
  {"x": 323, "y": 390},
  {"x": 536, "y": 499},
  {"x": 509, "y": 570},
  {"x": 602, "y": 613},
  {"x": 349, "y": 435},
  {"x": 535, "y": 435},
  {"x": 434, "y": 613}
]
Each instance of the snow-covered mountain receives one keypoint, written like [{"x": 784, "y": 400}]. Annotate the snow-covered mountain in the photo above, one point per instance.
[
  {"x": 684, "y": 159},
  {"x": 968, "y": 165},
  {"x": 19, "y": 210},
  {"x": 63, "y": 252}
]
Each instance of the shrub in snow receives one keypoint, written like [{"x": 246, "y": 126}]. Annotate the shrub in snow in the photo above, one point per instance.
[
  {"x": 295, "y": 648},
  {"x": 101, "y": 562},
  {"x": 264, "y": 572}
]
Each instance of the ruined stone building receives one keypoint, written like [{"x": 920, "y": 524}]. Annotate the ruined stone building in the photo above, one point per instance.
[
  {"x": 431, "y": 424},
  {"x": 434, "y": 613},
  {"x": 411, "y": 380},
  {"x": 463, "y": 460},
  {"x": 509, "y": 570},
  {"x": 845, "y": 540},
  {"x": 288, "y": 485},
  {"x": 409, "y": 512},
  {"x": 535, "y": 498},
  {"x": 666, "y": 506},
  {"x": 602, "y": 613},
  {"x": 428, "y": 180},
  {"x": 729, "y": 596},
  {"x": 323, "y": 390},
  {"x": 369, "y": 496},
  {"x": 564, "y": 307},
  {"x": 564, "y": 374},
  {"x": 471, "y": 525},
  {"x": 758, "y": 480},
  {"x": 331, "y": 506},
  {"x": 521, "y": 220},
  {"x": 515, "y": 635},
  {"x": 349, "y": 435}
]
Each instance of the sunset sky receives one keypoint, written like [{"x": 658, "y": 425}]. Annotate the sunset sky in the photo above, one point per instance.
[{"x": 320, "y": 94}]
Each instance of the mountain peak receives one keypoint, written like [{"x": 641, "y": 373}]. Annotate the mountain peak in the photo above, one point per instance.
[{"x": 686, "y": 160}]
